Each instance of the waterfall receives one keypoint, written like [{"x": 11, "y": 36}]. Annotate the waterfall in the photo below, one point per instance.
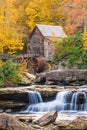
[
  {"x": 76, "y": 103},
  {"x": 34, "y": 97},
  {"x": 64, "y": 100},
  {"x": 85, "y": 102}
]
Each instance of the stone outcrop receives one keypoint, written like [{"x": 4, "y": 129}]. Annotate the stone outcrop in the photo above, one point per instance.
[
  {"x": 46, "y": 119},
  {"x": 9, "y": 122},
  {"x": 46, "y": 122},
  {"x": 17, "y": 98},
  {"x": 78, "y": 124},
  {"x": 13, "y": 99},
  {"x": 66, "y": 77}
]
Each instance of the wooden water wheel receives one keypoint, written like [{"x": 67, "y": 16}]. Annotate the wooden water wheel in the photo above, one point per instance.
[{"x": 37, "y": 63}]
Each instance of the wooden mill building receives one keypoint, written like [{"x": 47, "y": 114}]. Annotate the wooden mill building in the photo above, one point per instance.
[
  {"x": 41, "y": 38},
  {"x": 40, "y": 48}
]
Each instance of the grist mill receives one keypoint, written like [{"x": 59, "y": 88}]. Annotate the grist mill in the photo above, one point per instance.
[{"x": 39, "y": 48}]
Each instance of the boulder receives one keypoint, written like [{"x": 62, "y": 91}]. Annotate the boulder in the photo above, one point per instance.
[
  {"x": 27, "y": 79},
  {"x": 46, "y": 119},
  {"x": 9, "y": 122},
  {"x": 78, "y": 124},
  {"x": 30, "y": 76},
  {"x": 41, "y": 78},
  {"x": 66, "y": 77}
]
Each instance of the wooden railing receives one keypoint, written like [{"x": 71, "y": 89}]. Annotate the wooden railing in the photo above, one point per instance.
[
  {"x": 25, "y": 56},
  {"x": 5, "y": 56},
  {"x": 17, "y": 57}
]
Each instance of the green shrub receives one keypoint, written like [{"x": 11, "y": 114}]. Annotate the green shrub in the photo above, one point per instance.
[
  {"x": 9, "y": 74},
  {"x": 70, "y": 49}
]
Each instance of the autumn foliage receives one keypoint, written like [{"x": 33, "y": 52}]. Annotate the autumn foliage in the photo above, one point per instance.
[
  {"x": 10, "y": 39},
  {"x": 84, "y": 40},
  {"x": 18, "y": 18}
]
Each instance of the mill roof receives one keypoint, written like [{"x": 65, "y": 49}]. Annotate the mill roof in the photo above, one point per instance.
[{"x": 48, "y": 30}]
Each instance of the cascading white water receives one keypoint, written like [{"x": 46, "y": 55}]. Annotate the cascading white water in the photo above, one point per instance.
[
  {"x": 65, "y": 100},
  {"x": 34, "y": 97},
  {"x": 73, "y": 105},
  {"x": 74, "y": 102}
]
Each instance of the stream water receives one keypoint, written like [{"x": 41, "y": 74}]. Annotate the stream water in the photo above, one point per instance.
[{"x": 65, "y": 101}]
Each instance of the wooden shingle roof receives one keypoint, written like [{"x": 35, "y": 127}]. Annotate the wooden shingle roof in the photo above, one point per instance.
[{"x": 48, "y": 30}]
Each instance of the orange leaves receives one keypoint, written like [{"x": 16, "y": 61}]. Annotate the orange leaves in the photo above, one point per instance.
[{"x": 75, "y": 16}]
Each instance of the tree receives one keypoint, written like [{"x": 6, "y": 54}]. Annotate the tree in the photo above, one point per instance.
[
  {"x": 45, "y": 12},
  {"x": 69, "y": 49},
  {"x": 10, "y": 39},
  {"x": 75, "y": 16}
]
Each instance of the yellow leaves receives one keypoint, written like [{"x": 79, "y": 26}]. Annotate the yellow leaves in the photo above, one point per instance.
[
  {"x": 22, "y": 67},
  {"x": 1, "y": 48},
  {"x": 54, "y": 39},
  {"x": 84, "y": 40},
  {"x": 10, "y": 39},
  {"x": 45, "y": 12}
]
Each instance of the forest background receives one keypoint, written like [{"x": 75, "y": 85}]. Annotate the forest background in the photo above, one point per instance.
[{"x": 18, "y": 18}]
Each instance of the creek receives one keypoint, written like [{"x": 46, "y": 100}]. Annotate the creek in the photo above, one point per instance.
[{"x": 65, "y": 101}]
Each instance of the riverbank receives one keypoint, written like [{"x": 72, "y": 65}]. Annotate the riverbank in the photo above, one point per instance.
[
  {"x": 28, "y": 104},
  {"x": 40, "y": 121}
]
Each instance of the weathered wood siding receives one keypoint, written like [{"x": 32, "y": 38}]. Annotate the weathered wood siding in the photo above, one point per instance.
[
  {"x": 39, "y": 45},
  {"x": 48, "y": 50},
  {"x": 36, "y": 43}
]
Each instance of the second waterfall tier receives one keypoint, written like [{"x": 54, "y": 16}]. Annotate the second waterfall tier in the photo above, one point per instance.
[{"x": 64, "y": 100}]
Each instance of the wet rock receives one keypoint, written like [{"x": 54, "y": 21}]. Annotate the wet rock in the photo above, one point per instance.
[
  {"x": 9, "y": 122},
  {"x": 11, "y": 98},
  {"x": 67, "y": 77},
  {"x": 13, "y": 95},
  {"x": 11, "y": 106},
  {"x": 46, "y": 119}
]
